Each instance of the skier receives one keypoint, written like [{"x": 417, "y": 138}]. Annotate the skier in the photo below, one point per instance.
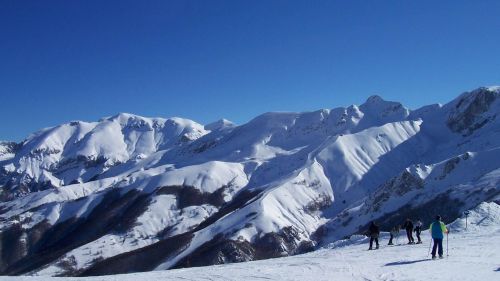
[
  {"x": 437, "y": 229},
  {"x": 374, "y": 232},
  {"x": 394, "y": 233},
  {"x": 408, "y": 226},
  {"x": 398, "y": 228},
  {"x": 418, "y": 230}
]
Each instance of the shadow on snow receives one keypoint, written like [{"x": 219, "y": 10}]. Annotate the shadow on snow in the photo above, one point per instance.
[{"x": 404, "y": 262}]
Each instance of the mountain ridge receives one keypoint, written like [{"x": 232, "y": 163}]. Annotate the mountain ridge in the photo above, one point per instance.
[{"x": 111, "y": 196}]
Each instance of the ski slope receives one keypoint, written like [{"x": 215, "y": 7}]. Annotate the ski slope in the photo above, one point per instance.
[{"x": 474, "y": 254}]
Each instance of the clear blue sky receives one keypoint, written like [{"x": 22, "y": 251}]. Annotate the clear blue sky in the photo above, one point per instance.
[{"x": 204, "y": 60}]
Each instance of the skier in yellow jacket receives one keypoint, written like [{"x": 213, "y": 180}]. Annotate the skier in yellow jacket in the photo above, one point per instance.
[{"x": 437, "y": 229}]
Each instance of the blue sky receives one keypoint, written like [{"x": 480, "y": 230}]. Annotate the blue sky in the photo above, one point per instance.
[{"x": 204, "y": 60}]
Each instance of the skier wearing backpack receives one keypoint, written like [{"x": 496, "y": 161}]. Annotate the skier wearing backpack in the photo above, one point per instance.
[
  {"x": 437, "y": 229},
  {"x": 418, "y": 230},
  {"x": 374, "y": 232},
  {"x": 408, "y": 226}
]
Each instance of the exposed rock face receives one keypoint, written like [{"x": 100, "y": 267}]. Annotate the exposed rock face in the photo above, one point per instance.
[
  {"x": 398, "y": 186},
  {"x": 8, "y": 148},
  {"x": 142, "y": 259},
  {"x": 44, "y": 242},
  {"x": 468, "y": 114},
  {"x": 222, "y": 250}
]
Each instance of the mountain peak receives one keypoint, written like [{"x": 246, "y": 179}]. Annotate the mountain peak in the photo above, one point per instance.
[
  {"x": 489, "y": 93},
  {"x": 219, "y": 124},
  {"x": 123, "y": 116},
  {"x": 495, "y": 89},
  {"x": 474, "y": 109},
  {"x": 389, "y": 111},
  {"x": 374, "y": 99}
]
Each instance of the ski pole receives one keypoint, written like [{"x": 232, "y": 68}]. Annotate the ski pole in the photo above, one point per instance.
[
  {"x": 430, "y": 243},
  {"x": 447, "y": 243}
]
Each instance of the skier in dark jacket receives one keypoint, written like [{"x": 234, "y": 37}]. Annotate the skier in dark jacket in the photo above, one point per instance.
[
  {"x": 408, "y": 226},
  {"x": 374, "y": 232}
]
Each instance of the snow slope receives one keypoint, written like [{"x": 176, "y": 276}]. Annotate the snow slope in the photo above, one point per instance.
[
  {"x": 129, "y": 193},
  {"x": 473, "y": 255}
]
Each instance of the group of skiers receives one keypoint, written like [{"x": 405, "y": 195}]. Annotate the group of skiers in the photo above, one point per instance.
[{"x": 437, "y": 228}]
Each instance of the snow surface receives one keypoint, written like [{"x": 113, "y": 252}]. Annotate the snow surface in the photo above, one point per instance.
[{"x": 474, "y": 254}]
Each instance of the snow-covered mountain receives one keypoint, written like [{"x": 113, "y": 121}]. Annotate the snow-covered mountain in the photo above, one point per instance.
[
  {"x": 129, "y": 193},
  {"x": 79, "y": 151}
]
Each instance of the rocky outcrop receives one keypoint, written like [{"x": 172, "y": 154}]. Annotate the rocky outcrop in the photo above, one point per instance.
[
  {"x": 25, "y": 249},
  {"x": 8, "y": 148},
  {"x": 397, "y": 186},
  {"x": 221, "y": 250},
  {"x": 471, "y": 111}
]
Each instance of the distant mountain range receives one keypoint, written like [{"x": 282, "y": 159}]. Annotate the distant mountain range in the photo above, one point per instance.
[{"x": 129, "y": 193}]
